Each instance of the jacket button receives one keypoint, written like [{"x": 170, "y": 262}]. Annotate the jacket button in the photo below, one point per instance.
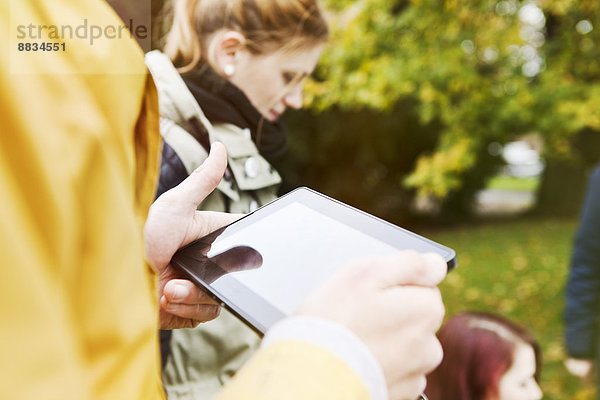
[
  {"x": 252, "y": 167},
  {"x": 253, "y": 205}
]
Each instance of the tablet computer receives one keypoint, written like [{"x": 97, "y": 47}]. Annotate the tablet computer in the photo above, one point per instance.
[{"x": 264, "y": 265}]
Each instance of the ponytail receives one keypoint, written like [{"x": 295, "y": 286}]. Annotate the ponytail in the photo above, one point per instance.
[{"x": 182, "y": 44}]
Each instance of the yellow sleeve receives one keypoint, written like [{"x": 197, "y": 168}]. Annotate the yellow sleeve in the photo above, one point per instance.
[
  {"x": 79, "y": 159},
  {"x": 295, "y": 370}
]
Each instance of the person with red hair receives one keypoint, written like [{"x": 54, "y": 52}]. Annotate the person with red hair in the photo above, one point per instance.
[{"x": 486, "y": 357}]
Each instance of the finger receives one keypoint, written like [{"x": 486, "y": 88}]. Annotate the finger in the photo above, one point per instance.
[
  {"x": 204, "y": 179},
  {"x": 433, "y": 355},
  {"x": 195, "y": 312},
  {"x": 182, "y": 291},
  {"x": 210, "y": 221},
  {"x": 420, "y": 346},
  {"x": 426, "y": 311},
  {"x": 408, "y": 268}
]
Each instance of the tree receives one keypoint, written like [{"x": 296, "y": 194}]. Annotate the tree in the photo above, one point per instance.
[
  {"x": 480, "y": 71},
  {"x": 568, "y": 96}
]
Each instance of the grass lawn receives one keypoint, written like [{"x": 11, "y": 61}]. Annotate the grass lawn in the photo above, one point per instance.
[
  {"x": 505, "y": 182},
  {"x": 517, "y": 268}
]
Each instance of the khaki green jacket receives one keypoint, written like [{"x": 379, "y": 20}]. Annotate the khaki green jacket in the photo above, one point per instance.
[
  {"x": 203, "y": 359},
  {"x": 254, "y": 182}
]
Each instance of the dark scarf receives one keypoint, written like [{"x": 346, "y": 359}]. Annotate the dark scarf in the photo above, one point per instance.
[{"x": 222, "y": 102}]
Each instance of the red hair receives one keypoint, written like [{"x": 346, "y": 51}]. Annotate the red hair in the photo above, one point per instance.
[{"x": 478, "y": 350}]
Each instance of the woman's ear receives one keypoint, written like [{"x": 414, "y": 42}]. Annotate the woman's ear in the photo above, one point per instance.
[{"x": 229, "y": 50}]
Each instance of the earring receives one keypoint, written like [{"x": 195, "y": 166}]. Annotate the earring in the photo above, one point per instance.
[{"x": 229, "y": 70}]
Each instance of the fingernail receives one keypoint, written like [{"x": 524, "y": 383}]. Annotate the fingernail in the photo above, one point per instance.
[
  {"x": 217, "y": 311},
  {"x": 180, "y": 292}
]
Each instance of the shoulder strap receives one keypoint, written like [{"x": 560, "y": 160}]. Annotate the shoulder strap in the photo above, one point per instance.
[
  {"x": 182, "y": 125},
  {"x": 175, "y": 99},
  {"x": 179, "y": 109}
]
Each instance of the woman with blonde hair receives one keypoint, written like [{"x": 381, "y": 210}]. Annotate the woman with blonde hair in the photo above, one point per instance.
[{"x": 229, "y": 70}]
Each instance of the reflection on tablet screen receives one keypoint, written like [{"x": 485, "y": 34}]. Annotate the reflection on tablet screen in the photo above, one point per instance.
[{"x": 294, "y": 260}]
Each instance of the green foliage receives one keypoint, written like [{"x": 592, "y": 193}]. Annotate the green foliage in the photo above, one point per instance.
[
  {"x": 517, "y": 269},
  {"x": 466, "y": 65},
  {"x": 568, "y": 92},
  {"x": 453, "y": 58}
]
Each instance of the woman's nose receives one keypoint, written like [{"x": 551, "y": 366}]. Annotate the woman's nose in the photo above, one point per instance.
[{"x": 294, "y": 98}]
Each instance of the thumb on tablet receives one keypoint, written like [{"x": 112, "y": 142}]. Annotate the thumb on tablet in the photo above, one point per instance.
[{"x": 173, "y": 219}]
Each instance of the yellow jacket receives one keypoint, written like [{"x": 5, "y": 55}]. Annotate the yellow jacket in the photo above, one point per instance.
[{"x": 78, "y": 165}]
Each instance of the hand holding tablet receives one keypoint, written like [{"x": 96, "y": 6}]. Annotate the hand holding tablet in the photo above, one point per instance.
[
  {"x": 395, "y": 312},
  {"x": 263, "y": 266},
  {"x": 174, "y": 221},
  {"x": 311, "y": 255}
]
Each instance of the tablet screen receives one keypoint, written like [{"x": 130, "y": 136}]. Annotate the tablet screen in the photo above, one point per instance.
[
  {"x": 291, "y": 265},
  {"x": 263, "y": 266}
]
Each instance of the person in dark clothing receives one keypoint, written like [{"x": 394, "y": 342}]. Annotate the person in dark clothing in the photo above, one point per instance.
[{"x": 582, "y": 311}]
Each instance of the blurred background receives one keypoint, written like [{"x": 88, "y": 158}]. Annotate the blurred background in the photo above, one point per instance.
[{"x": 475, "y": 123}]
